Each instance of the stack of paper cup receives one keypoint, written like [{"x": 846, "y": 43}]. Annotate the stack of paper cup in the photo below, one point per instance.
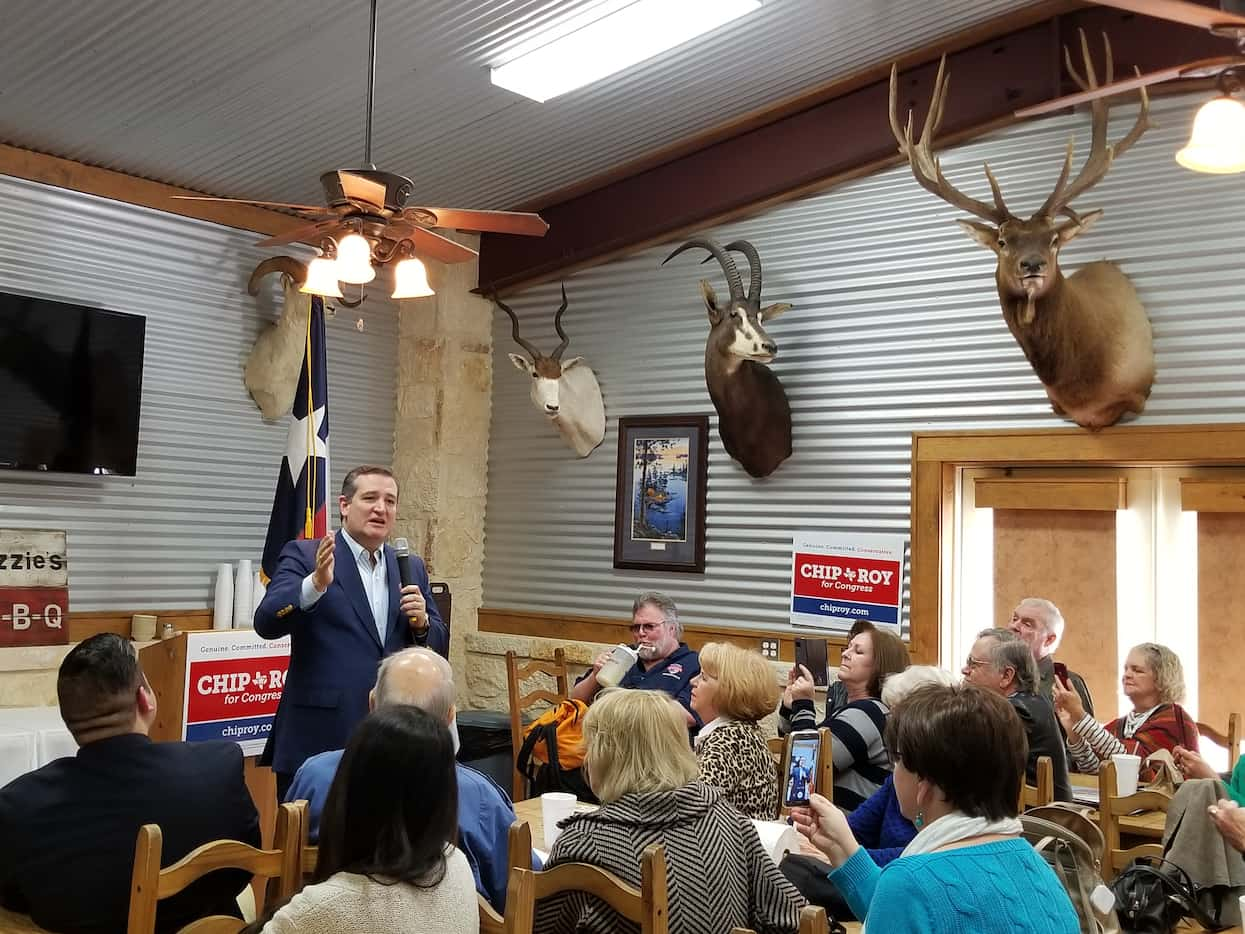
[
  {"x": 1127, "y": 771},
  {"x": 222, "y": 602},
  {"x": 555, "y": 805},
  {"x": 243, "y": 607}
]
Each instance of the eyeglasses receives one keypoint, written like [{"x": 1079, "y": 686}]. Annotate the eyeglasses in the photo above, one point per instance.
[
  {"x": 638, "y": 628},
  {"x": 972, "y": 664}
]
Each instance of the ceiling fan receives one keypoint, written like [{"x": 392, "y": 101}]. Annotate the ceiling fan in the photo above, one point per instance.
[{"x": 373, "y": 204}]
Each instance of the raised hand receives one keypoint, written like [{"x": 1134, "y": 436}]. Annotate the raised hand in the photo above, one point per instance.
[
  {"x": 802, "y": 687},
  {"x": 1067, "y": 701},
  {"x": 322, "y": 576}
]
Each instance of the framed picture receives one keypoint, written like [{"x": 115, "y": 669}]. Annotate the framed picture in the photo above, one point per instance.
[{"x": 659, "y": 501}]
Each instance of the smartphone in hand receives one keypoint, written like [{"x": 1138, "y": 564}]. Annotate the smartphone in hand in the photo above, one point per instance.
[
  {"x": 1061, "y": 672},
  {"x": 813, "y": 655},
  {"x": 801, "y": 771}
]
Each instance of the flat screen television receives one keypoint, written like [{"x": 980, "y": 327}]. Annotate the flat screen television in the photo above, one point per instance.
[{"x": 71, "y": 381}]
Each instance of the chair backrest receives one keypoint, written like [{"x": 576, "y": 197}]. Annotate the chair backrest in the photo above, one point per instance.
[
  {"x": 520, "y": 906},
  {"x": 309, "y": 856},
  {"x": 444, "y": 600},
  {"x": 647, "y": 905},
  {"x": 1110, "y": 808},
  {"x": 150, "y": 883},
  {"x": 519, "y": 845},
  {"x": 516, "y": 674},
  {"x": 813, "y": 920},
  {"x": 1043, "y": 793},
  {"x": 1230, "y": 740}
]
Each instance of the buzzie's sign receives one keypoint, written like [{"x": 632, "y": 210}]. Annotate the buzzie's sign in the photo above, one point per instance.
[{"x": 34, "y": 587}]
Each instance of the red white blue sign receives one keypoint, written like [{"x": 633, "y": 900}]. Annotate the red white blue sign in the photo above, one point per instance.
[
  {"x": 841, "y": 578},
  {"x": 233, "y": 684}
]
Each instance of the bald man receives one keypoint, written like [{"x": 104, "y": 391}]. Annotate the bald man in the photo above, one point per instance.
[{"x": 422, "y": 678}]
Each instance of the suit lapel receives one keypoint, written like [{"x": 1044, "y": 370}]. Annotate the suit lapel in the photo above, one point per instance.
[
  {"x": 346, "y": 571},
  {"x": 395, "y": 590}
]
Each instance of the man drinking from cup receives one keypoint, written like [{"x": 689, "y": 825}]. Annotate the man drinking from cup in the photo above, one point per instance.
[{"x": 662, "y": 662}]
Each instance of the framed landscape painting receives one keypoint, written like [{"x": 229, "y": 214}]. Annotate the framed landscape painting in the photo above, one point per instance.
[{"x": 659, "y": 500}]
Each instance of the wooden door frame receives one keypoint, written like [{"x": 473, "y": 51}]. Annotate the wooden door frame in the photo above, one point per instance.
[{"x": 937, "y": 456}]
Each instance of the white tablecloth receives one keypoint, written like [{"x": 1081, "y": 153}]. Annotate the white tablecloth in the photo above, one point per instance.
[{"x": 31, "y": 737}]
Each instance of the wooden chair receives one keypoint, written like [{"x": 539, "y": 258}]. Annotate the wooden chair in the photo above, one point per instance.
[
  {"x": 813, "y": 920},
  {"x": 646, "y": 905},
  {"x": 1043, "y": 793},
  {"x": 520, "y": 906},
  {"x": 516, "y": 674},
  {"x": 150, "y": 883},
  {"x": 309, "y": 856},
  {"x": 1110, "y": 807},
  {"x": 519, "y": 845},
  {"x": 1231, "y": 740}
]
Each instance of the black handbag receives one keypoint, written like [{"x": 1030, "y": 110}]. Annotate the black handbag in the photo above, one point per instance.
[{"x": 1153, "y": 895}]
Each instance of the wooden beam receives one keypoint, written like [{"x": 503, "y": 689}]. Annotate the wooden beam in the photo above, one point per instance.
[
  {"x": 1212, "y": 495},
  {"x": 76, "y": 176},
  {"x": 1099, "y": 494}
]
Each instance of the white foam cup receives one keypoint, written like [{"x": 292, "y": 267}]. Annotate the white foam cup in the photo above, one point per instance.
[
  {"x": 555, "y": 805},
  {"x": 621, "y": 661},
  {"x": 1127, "y": 771}
]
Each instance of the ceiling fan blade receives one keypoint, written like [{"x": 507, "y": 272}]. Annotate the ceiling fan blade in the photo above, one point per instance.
[
  {"x": 358, "y": 188},
  {"x": 1199, "y": 68},
  {"x": 507, "y": 222},
  {"x": 442, "y": 249},
  {"x": 1178, "y": 11},
  {"x": 307, "y": 233},
  {"x": 309, "y": 208}
]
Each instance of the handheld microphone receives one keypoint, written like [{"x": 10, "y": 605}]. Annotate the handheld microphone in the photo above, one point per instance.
[{"x": 402, "y": 549}]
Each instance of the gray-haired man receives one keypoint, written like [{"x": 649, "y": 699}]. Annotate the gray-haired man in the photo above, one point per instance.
[{"x": 1040, "y": 625}]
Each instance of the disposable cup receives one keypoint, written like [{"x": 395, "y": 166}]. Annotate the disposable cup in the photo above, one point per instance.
[
  {"x": 1127, "y": 771},
  {"x": 555, "y": 805},
  {"x": 621, "y": 661}
]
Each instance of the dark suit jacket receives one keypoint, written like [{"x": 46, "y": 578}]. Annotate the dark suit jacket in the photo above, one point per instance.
[
  {"x": 67, "y": 830},
  {"x": 334, "y": 649},
  {"x": 1045, "y": 739}
]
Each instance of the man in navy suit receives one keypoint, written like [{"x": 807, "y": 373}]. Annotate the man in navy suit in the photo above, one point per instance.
[{"x": 341, "y": 602}]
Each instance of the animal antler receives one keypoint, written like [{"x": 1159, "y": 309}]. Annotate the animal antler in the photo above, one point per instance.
[
  {"x": 557, "y": 326},
  {"x": 1101, "y": 155},
  {"x": 514, "y": 330},
  {"x": 925, "y": 166},
  {"x": 286, "y": 265},
  {"x": 754, "y": 268},
  {"x": 733, "y": 281}
]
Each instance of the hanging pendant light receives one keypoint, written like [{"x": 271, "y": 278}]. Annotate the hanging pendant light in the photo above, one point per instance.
[
  {"x": 1217, "y": 143},
  {"x": 322, "y": 278},
  {"x": 410, "y": 280},
  {"x": 354, "y": 260}
]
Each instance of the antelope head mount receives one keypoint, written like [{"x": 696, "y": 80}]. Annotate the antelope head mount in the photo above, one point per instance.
[
  {"x": 1086, "y": 336},
  {"x": 564, "y": 391},
  {"x": 754, "y": 417}
]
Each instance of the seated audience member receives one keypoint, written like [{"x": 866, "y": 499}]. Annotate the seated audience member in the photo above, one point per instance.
[
  {"x": 388, "y": 864},
  {"x": 878, "y": 825},
  {"x": 861, "y": 763},
  {"x": 1154, "y": 682},
  {"x": 642, "y": 769},
  {"x": 735, "y": 689},
  {"x": 1192, "y": 765},
  {"x": 422, "y": 678},
  {"x": 1040, "y": 626},
  {"x": 67, "y": 830},
  {"x": 999, "y": 661},
  {"x": 959, "y": 761},
  {"x": 665, "y": 663}
]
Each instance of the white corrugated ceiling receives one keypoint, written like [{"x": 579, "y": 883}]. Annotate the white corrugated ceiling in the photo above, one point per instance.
[{"x": 256, "y": 99}]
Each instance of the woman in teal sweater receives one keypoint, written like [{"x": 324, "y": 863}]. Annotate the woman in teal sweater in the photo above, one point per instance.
[{"x": 959, "y": 760}]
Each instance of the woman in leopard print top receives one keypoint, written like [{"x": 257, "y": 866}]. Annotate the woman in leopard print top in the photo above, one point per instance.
[{"x": 735, "y": 689}]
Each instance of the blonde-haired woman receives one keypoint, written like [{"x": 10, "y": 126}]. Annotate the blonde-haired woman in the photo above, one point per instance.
[
  {"x": 1153, "y": 680},
  {"x": 640, "y": 766},
  {"x": 735, "y": 689}
]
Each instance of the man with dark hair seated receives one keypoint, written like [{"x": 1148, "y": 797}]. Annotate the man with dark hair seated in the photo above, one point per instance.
[{"x": 67, "y": 830}]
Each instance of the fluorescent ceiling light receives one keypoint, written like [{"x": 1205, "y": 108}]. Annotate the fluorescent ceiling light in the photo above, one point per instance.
[{"x": 599, "y": 47}]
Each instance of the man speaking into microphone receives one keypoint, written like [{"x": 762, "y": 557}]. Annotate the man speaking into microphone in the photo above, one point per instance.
[{"x": 346, "y": 601}]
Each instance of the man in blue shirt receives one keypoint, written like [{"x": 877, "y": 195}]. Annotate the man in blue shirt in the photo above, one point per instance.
[
  {"x": 422, "y": 678},
  {"x": 665, "y": 663}
]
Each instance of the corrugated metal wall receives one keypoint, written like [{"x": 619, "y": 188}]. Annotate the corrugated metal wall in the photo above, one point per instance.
[
  {"x": 896, "y": 328},
  {"x": 207, "y": 460}
]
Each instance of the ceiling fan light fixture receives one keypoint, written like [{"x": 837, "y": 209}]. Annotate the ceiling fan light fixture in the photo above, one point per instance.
[
  {"x": 1217, "y": 143},
  {"x": 589, "y": 47},
  {"x": 321, "y": 278},
  {"x": 410, "y": 280},
  {"x": 354, "y": 260}
]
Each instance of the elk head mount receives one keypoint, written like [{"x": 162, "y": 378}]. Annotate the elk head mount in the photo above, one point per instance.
[
  {"x": 564, "y": 391},
  {"x": 1086, "y": 336},
  {"x": 754, "y": 417}
]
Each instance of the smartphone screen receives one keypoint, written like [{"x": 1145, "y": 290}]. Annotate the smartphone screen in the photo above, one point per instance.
[
  {"x": 802, "y": 768},
  {"x": 813, "y": 654},
  {"x": 1061, "y": 672}
]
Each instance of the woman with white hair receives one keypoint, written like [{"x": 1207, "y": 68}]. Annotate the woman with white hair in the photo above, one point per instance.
[{"x": 1154, "y": 681}]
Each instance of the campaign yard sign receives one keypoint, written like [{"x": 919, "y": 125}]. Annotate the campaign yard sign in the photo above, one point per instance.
[
  {"x": 233, "y": 684},
  {"x": 840, "y": 578}
]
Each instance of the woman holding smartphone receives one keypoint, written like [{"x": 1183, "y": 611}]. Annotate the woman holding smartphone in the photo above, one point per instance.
[{"x": 861, "y": 763}]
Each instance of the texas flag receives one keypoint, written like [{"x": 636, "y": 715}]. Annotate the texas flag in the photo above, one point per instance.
[{"x": 299, "y": 508}]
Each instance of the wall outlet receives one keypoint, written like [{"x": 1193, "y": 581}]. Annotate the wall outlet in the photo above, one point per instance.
[{"x": 769, "y": 648}]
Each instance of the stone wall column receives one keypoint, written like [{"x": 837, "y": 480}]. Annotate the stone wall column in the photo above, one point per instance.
[{"x": 441, "y": 431}]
